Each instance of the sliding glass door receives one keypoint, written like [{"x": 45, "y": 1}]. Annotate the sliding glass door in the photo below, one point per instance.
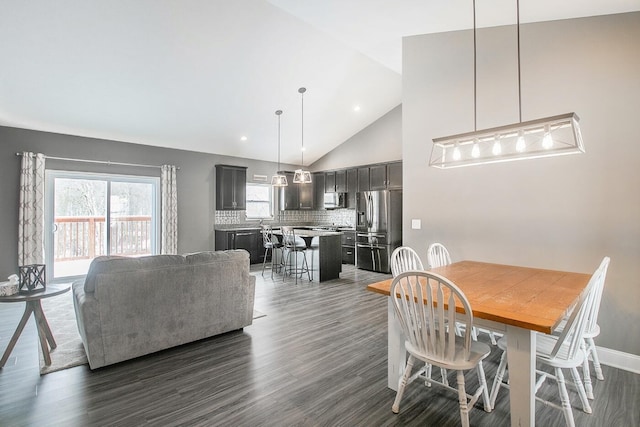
[{"x": 88, "y": 215}]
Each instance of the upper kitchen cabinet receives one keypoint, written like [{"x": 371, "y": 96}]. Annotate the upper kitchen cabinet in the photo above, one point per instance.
[
  {"x": 385, "y": 177},
  {"x": 329, "y": 182},
  {"x": 231, "y": 187},
  {"x": 296, "y": 196},
  {"x": 341, "y": 181},
  {"x": 318, "y": 189},
  {"x": 305, "y": 196},
  {"x": 363, "y": 179},
  {"x": 352, "y": 187}
]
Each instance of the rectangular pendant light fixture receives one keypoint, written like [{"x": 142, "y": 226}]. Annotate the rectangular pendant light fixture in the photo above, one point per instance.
[{"x": 551, "y": 136}]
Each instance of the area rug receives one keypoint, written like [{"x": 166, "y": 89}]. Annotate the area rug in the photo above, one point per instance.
[{"x": 62, "y": 321}]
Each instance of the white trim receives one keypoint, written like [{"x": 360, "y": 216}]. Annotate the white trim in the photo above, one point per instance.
[{"x": 618, "y": 359}]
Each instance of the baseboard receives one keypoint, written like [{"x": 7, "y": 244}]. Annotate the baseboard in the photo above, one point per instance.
[{"x": 617, "y": 359}]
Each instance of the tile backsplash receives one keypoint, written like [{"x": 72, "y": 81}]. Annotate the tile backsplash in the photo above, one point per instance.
[{"x": 344, "y": 217}]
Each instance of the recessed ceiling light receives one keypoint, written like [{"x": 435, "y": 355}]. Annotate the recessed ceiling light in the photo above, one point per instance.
[
  {"x": 243, "y": 138},
  {"x": 356, "y": 108}
]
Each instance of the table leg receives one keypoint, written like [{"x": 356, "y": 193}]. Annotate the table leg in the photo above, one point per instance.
[
  {"x": 47, "y": 343},
  {"x": 521, "y": 357},
  {"x": 396, "y": 352},
  {"x": 14, "y": 338}
]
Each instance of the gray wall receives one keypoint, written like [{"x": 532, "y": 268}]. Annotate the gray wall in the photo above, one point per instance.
[
  {"x": 377, "y": 143},
  {"x": 196, "y": 180},
  {"x": 557, "y": 213}
]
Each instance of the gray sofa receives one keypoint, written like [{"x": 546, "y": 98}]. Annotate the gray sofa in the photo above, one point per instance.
[{"x": 129, "y": 307}]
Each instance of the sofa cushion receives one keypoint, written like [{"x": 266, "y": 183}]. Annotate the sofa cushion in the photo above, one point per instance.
[{"x": 112, "y": 264}]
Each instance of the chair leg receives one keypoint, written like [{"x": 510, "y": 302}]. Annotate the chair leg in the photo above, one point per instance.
[
  {"x": 497, "y": 381},
  {"x": 443, "y": 373},
  {"x": 493, "y": 338},
  {"x": 581, "y": 392},
  {"x": 588, "y": 387},
  {"x": 462, "y": 399},
  {"x": 485, "y": 389},
  {"x": 564, "y": 399},
  {"x": 264, "y": 261},
  {"x": 591, "y": 349},
  {"x": 402, "y": 384}
]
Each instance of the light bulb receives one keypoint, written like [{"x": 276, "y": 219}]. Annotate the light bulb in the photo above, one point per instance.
[
  {"x": 475, "y": 151},
  {"x": 520, "y": 145},
  {"x": 456, "y": 153},
  {"x": 497, "y": 148},
  {"x": 547, "y": 140}
]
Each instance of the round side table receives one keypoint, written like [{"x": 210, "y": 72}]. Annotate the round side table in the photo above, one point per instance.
[{"x": 33, "y": 305}]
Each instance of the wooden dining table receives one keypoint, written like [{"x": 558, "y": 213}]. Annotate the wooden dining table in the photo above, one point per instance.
[{"x": 517, "y": 301}]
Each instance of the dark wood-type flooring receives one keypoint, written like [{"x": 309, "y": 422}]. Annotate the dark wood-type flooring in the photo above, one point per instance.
[{"x": 319, "y": 358}]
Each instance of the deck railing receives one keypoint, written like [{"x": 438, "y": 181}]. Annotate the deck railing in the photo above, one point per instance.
[{"x": 78, "y": 238}]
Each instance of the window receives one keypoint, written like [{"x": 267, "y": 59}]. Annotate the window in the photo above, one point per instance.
[
  {"x": 259, "y": 201},
  {"x": 88, "y": 215}
]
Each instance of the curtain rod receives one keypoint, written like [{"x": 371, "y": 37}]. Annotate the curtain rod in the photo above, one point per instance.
[{"x": 103, "y": 162}]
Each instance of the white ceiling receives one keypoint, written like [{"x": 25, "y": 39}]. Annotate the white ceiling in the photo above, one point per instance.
[{"x": 199, "y": 74}]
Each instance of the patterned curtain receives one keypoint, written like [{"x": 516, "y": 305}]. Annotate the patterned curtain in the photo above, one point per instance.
[
  {"x": 169, "y": 202},
  {"x": 31, "y": 210}
]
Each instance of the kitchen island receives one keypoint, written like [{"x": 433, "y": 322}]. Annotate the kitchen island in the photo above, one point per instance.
[{"x": 324, "y": 252}]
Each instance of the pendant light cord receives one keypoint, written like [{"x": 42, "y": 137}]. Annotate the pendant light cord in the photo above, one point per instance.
[
  {"x": 519, "y": 74},
  {"x": 279, "y": 112},
  {"x": 302, "y": 90},
  {"x": 475, "y": 76}
]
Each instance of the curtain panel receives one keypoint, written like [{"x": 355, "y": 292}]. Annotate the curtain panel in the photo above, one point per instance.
[
  {"x": 169, "y": 204},
  {"x": 31, "y": 210}
]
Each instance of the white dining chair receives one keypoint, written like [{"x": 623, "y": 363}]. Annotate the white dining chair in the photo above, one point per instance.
[
  {"x": 404, "y": 259},
  {"x": 425, "y": 304},
  {"x": 438, "y": 256},
  {"x": 563, "y": 351},
  {"x": 592, "y": 330}
]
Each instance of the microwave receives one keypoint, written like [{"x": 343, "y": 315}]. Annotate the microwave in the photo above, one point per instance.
[{"x": 335, "y": 200}]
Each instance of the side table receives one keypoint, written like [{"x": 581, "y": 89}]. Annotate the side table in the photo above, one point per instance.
[{"x": 34, "y": 305}]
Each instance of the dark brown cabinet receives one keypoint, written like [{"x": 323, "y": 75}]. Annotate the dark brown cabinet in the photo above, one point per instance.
[
  {"x": 329, "y": 182},
  {"x": 249, "y": 240},
  {"x": 341, "y": 181},
  {"x": 385, "y": 177},
  {"x": 352, "y": 187},
  {"x": 231, "y": 187},
  {"x": 296, "y": 196},
  {"x": 318, "y": 189},
  {"x": 348, "y": 247},
  {"x": 363, "y": 179}
]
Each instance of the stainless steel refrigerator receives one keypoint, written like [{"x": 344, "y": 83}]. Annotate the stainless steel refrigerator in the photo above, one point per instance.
[{"x": 378, "y": 228}]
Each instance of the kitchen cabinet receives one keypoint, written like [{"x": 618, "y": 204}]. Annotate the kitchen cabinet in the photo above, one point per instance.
[
  {"x": 352, "y": 187},
  {"x": 348, "y": 247},
  {"x": 329, "y": 182},
  {"x": 247, "y": 239},
  {"x": 296, "y": 196},
  {"x": 231, "y": 187},
  {"x": 305, "y": 196},
  {"x": 341, "y": 181},
  {"x": 318, "y": 189},
  {"x": 386, "y": 176},
  {"x": 363, "y": 179}
]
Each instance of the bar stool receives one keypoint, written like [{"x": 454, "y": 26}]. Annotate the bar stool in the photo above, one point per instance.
[
  {"x": 271, "y": 244},
  {"x": 294, "y": 246}
]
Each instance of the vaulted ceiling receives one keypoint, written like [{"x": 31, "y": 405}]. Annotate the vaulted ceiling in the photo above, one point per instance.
[{"x": 201, "y": 74}]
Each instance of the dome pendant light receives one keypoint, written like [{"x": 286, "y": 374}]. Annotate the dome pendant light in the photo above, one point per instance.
[
  {"x": 550, "y": 136},
  {"x": 302, "y": 176},
  {"x": 279, "y": 180}
]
